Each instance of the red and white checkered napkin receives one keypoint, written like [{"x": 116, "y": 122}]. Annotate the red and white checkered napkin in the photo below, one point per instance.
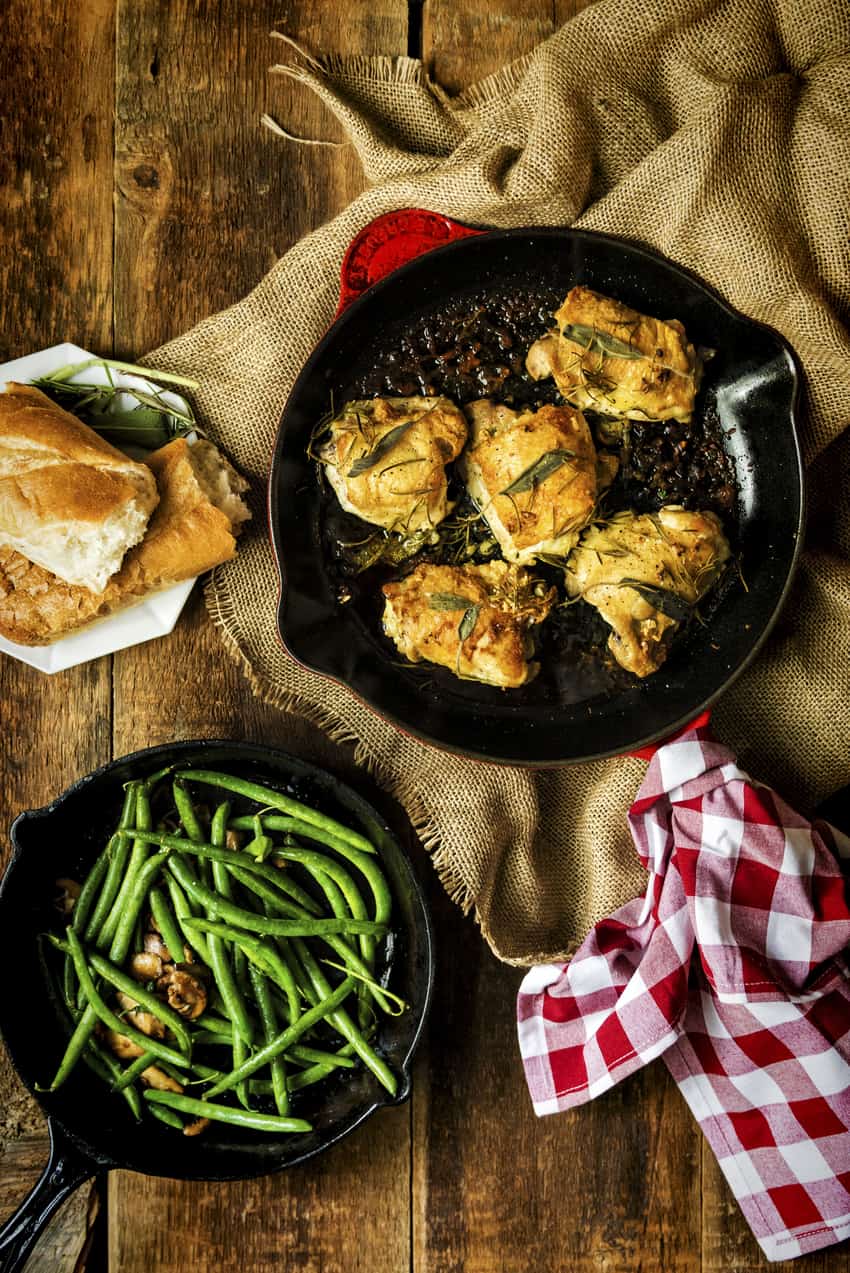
[{"x": 731, "y": 968}]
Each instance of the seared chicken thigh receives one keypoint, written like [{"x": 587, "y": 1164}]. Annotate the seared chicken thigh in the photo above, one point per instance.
[
  {"x": 386, "y": 459},
  {"x": 474, "y": 620},
  {"x": 533, "y": 475},
  {"x": 644, "y": 573},
  {"x": 608, "y": 358}
]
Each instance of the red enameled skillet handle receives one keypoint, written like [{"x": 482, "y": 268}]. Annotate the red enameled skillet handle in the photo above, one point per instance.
[
  {"x": 390, "y": 241},
  {"x": 699, "y": 722},
  {"x": 66, "y": 1170}
]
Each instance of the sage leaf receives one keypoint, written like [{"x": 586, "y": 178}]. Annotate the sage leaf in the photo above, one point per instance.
[
  {"x": 449, "y": 601},
  {"x": 537, "y": 472},
  {"x": 368, "y": 461},
  {"x": 669, "y": 603},
  {"x": 468, "y": 622},
  {"x": 603, "y": 342}
]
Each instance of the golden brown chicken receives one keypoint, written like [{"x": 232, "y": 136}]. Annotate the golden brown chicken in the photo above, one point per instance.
[
  {"x": 608, "y": 358},
  {"x": 644, "y": 573},
  {"x": 386, "y": 459},
  {"x": 533, "y": 475},
  {"x": 474, "y": 620}
]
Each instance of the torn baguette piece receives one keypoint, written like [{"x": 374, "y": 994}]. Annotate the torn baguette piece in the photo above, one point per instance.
[
  {"x": 193, "y": 529},
  {"x": 69, "y": 501}
]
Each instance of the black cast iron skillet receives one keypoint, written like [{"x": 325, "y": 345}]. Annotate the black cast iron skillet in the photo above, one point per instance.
[
  {"x": 91, "y": 1130},
  {"x": 753, "y": 383}
]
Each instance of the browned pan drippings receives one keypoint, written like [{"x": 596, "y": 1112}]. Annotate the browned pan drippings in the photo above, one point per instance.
[{"x": 474, "y": 347}]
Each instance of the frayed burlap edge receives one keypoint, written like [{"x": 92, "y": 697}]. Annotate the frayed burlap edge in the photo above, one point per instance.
[{"x": 332, "y": 724}]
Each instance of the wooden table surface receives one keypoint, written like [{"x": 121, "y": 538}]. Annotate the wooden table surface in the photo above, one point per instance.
[{"x": 141, "y": 194}]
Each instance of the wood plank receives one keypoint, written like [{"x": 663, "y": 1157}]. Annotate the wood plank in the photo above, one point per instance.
[
  {"x": 207, "y": 201},
  {"x": 614, "y": 1185},
  {"x": 56, "y": 103},
  {"x": 463, "y": 42}
]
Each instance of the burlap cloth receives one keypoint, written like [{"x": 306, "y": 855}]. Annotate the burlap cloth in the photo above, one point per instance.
[{"x": 718, "y": 133}]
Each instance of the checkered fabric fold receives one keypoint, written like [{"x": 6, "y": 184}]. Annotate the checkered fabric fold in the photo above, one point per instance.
[{"x": 731, "y": 967}]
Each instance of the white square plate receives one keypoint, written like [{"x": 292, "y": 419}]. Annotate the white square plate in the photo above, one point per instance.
[{"x": 153, "y": 617}]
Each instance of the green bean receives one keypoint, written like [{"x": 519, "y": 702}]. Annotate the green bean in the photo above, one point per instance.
[
  {"x": 226, "y": 1114},
  {"x": 212, "y": 1038},
  {"x": 343, "y": 1023},
  {"x": 365, "y": 862},
  {"x": 313, "y": 1074},
  {"x": 129, "y": 986},
  {"x": 240, "y": 860},
  {"x": 262, "y": 924},
  {"x": 91, "y": 884},
  {"x": 216, "y": 1025},
  {"x": 117, "y": 953},
  {"x": 169, "y": 930},
  {"x": 228, "y": 987},
  {"x": 107, "y": 1016},
  {"x": 184, "y": 914},
  {"x": 134, "y": 1070},
  {"x": 167, "y": 1116},
  {"x": 333, "y": 1060},
  {"x": 138, "y": 856},
  {"x": 133, "y": 903},
  {"x": 117, "y": 852},
  {"x": 70, "y": 985},
  {"x": 105, "y": 1066},
  {"x": 75, "y": 1047},
  {"x": 186, "y": 812},
  {"x": 262, "y": 954},
  {"x": 338, "y": 944},
  {"x": 121, "y": 981},
  {"x": 190, "y": 821},
  {"x": 285, "y": 1040},
  {"x": 268, "y": 1017},
  {"x": 277, "y": 800}
]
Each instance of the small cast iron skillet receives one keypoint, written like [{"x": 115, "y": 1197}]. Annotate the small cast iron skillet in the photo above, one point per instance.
[
  {"x": 90, "y": 1129},
  {"x": 753, "y": 383}
]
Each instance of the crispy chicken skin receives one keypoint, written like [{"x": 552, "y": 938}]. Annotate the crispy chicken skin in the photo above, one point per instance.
[
  {"x": 644, "y": 573},
  {"x": 386, "y": 459},
  {"x": 533, "y": 474},
  {"x": 655, "y": 376},
  {"x": 474, "y": 620}
]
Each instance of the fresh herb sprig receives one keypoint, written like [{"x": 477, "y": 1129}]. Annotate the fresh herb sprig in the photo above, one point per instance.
[{"x": 125, "y": 415}]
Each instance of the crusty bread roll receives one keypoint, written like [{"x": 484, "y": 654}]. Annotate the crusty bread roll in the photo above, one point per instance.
[
  {"x": 68, "y": 500},
  {"x": 193, "y": 529}
]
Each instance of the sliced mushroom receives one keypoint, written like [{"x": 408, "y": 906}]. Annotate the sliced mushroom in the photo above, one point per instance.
[
  {"x": 122, "y": 1047},
  {"x": 185, "y": 993},
  {"x": 67, "y": 892},
  {"x": 233, "y": 841},
  {"x": 195, "y": 1128},
  {"x": 155, "y": 1077},
  {"x": 144, "y": 1021},
  {"x": 146, "y": 966}
]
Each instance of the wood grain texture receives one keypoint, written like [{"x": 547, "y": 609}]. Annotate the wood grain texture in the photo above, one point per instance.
[
  {"x": 56, "y": 106},
  {"x": 206, "y": 201},
  {"x": 464, "y": 1178},
  {"x": 614, "y": 1186}
]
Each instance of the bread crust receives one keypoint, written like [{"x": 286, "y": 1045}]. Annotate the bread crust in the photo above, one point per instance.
[
  {"x": 186, "y": 536},
  {"x": 57, "y": 475}
]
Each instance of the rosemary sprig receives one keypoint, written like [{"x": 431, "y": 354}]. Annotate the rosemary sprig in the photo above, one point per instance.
[{"x": 148, "y": 424}]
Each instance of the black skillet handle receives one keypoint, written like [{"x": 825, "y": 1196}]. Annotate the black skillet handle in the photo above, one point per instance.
[{"x": 66, "y": 1170}]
